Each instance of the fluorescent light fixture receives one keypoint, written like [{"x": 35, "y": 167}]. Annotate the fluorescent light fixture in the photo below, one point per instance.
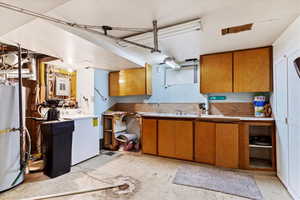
[
  {"x": 166, "y": 32},
  {"x": 172, "y": 63}
]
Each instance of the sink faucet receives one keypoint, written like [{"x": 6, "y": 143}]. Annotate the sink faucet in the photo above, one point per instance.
[{"x": 179, "y": 112}]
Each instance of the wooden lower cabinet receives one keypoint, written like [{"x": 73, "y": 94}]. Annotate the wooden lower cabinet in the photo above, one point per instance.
[
  {"x": 166, "y": 138},
  {"x": 205, "y": 142},
  {"x": 184, "y": 148},
  {"x": 227, "y": 145},
  {"x": 149, "y": 136},
  {"x": 175, "y": 139},
  {"x": 224, "y": 144}
]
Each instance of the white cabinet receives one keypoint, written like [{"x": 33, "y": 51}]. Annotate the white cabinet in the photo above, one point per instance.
[
  {"x": 85, "y": 143},
  {"x": 294, "y": 124}
]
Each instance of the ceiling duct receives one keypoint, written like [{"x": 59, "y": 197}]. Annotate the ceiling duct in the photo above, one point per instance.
[
  {"x": 169, "y": 61},
  {"x": 237, "y": 29}
]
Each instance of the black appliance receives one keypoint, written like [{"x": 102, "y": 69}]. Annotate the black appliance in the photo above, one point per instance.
[
  {"x": 53, "y": 113},
  {"x": 57, "y": 147}
]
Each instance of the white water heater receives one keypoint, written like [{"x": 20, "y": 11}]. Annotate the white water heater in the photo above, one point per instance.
[{"x": 9, "y": 141}]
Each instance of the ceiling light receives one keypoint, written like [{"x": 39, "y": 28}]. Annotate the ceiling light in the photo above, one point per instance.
[{"x": 165, "y": 32}]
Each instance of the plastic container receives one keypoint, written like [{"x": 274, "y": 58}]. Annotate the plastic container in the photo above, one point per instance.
[
  {"x": 259, "y": 106},
  {"x": 57, "y": 147}
]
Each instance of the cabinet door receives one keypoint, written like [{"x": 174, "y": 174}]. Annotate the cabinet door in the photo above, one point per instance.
[
  {"x": 205, "y": 142},
  {"x": 149, "y": 136},
  {"x": 114, "y": 89},
  {"x": 166, "y": 138},
  {"x": 148, "y": 79},
  {"x": 184, "y": 140},
  {"x": 227, "y": 144},
  {"x": 252, "y": 70},
  {"x": 216, "y": 73},
  {"x": 132, "y": 82}
]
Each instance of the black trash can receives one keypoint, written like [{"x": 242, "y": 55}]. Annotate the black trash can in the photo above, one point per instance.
[{"x": 57, "y": 147}]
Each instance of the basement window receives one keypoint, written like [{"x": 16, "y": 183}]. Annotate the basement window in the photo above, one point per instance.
[{"x": 185, "y": 75}]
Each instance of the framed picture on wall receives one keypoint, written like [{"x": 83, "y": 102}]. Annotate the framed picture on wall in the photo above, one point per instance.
[{"x": 62, "y": 86}]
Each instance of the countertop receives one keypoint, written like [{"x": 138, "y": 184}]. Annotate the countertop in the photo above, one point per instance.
[
  {"x": 204, "y": 117},
  {"x": 78, "y": 117}
]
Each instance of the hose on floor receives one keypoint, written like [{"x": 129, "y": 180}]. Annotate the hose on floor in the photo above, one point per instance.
[{"x": 27, "y": 155}]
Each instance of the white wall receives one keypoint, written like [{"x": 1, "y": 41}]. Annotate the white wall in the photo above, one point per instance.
[
  {"x": 85, "y": 90},
  {"x": 182, "y": 93},
  {"x": 101, "y": 104},
  {"x": 289, "y": 40}
]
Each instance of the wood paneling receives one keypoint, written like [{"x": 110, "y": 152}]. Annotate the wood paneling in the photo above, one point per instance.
[
  {"x": 166, "y": 138},
  {"x": 184, "y": 148},
  {"x": 149, "y": 136},
  {"x": 232, "y": 109},
  {"x": 227, "y": 145},
  {"x": 205, "y": 142},
  {"x": 132, "y": 82},
  {"x": 252, "y": 70},
  {"x": 114, "y": 89},
  {"x": 216, "y": 73}
]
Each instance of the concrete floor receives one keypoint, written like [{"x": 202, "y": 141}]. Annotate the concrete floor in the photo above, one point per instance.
[{"x": 149, "y": 177}]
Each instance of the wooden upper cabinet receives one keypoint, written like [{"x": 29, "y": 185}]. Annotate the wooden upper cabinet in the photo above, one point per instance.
[
  {"x": 149, "y": 136},
  {"x": 148, "y": 79},
  {"x": 253, "y": 70},
  {"x": 114, "y": 89},
  {"x": 131, "y": 82},
  {"x": 216, "y": 73},
  {"x": 237, "y": 71},
  {"x": 227, "y": 145}
]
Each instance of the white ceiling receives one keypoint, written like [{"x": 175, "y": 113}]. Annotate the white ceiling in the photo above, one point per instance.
[
  {"x": 10, "y": 20},
  {"x": 270, "y": 18}
]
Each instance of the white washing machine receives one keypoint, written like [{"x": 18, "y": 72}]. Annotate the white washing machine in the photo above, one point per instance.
[{"x": 9, "y": 142}]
